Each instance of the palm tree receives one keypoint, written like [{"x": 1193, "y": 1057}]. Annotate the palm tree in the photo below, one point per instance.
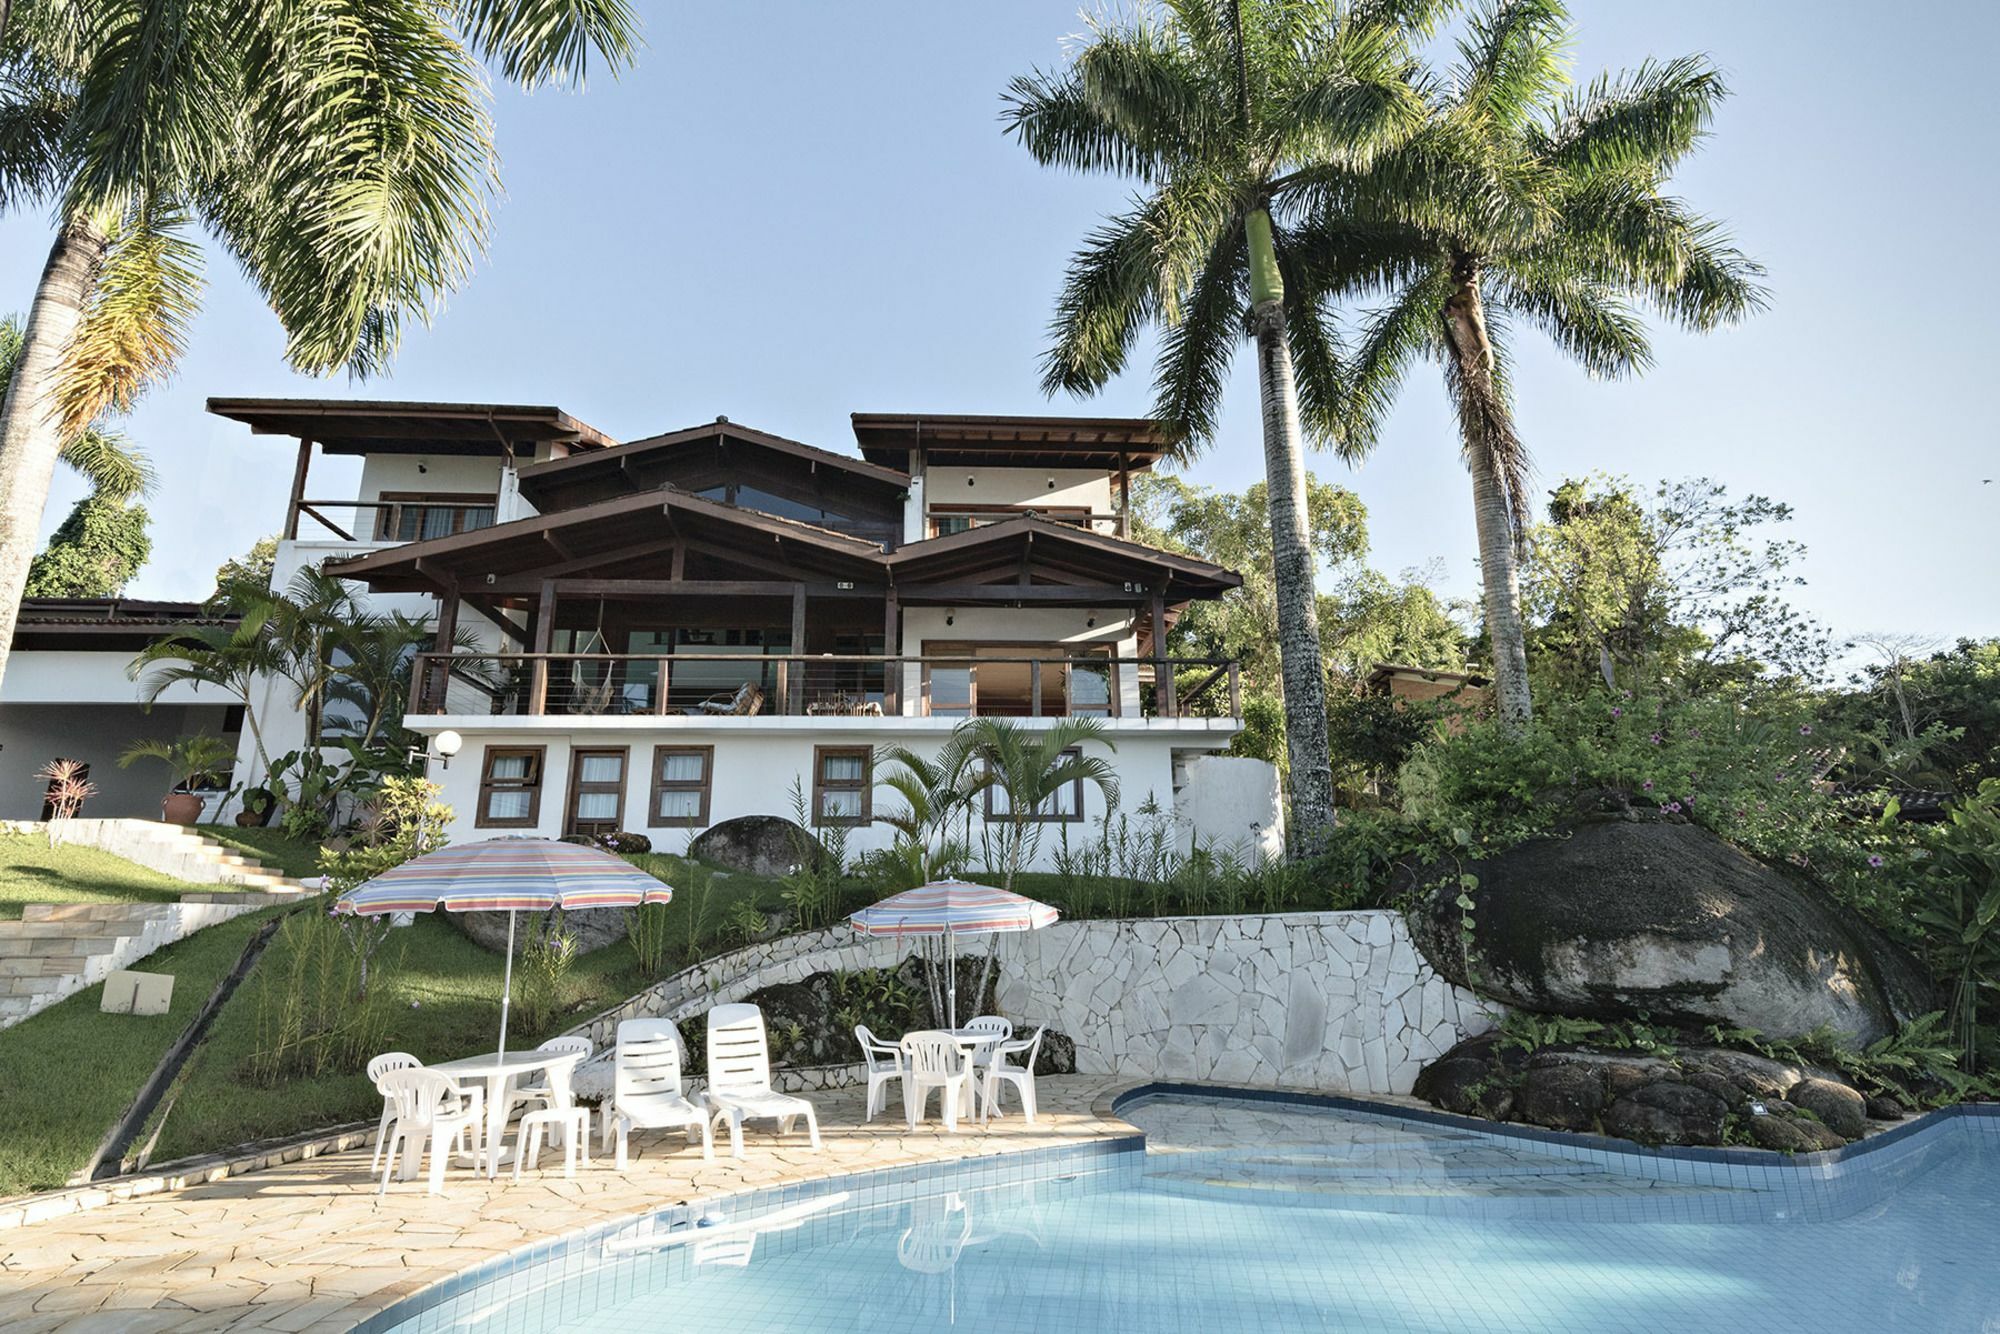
[
  {"x": 1221, "y": 109},
  {"x": 1030, "y": 769},
  {"x": 935, "y": 790},
  {"x": 234, "y": 659},
  {"x": 115, "y": 467},
  {"x": 1523, "y": 198},
  {"x": 342, "y": 155}
]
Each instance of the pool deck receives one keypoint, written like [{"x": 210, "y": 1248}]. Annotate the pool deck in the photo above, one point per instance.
[{"x": 309, "y": 1245}]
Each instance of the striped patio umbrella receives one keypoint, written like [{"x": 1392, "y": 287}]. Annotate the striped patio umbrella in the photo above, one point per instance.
[
  {"x": 947, "y": 908},
  {"x": 507, "y": 875}
]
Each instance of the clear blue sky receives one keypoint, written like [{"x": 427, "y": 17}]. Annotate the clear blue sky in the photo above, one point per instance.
[{"x": 792, "y": 211}]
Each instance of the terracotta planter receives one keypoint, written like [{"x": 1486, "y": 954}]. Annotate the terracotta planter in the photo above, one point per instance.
[{"x": 181, "y": 808}]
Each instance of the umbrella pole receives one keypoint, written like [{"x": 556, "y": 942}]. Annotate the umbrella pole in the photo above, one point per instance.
[
  {"x": 950, "y": 980},
  {"x": 507, "y": 986}
]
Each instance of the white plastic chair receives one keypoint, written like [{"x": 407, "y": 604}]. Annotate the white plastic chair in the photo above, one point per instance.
[
  {"x": 377, "y": 1067},
  {"x": 646, "y": 1087},
  {"x": 884, "y": 1061},
  {"x": 934, "y": 1060},
  {"x": 1022, "y": 1077},
  {"x": 547, "y": 1086},
  {"x": 988, "y": 1023},
  {"x": 563, "y": 1114},
  {"x": 428, "y": 1107},
  {"x": 739, "y": 1077}
]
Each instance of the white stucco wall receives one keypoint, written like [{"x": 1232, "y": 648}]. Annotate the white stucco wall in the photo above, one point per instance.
[
  {"x": 1233, "y": 802},
  {"x": 443, "y": 475},
  {"x": 757, "y": 759},
  {"x": 33, "y": 734},
  {"x": 1072, "y": 487}
]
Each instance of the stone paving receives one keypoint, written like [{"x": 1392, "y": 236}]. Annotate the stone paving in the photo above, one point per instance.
[{"x": 310, "y": 1247}]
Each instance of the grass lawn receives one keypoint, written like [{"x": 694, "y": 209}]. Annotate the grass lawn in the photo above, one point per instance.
[
  {"x": 67, "y": 1073},
  {"x": 445, "y": 1003},
  {"x": 294, "y": 857},
  {"x": 33, "y": 872}
]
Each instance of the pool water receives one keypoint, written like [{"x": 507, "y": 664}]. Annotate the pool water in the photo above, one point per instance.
[{"x": 1266, "y": 1215}]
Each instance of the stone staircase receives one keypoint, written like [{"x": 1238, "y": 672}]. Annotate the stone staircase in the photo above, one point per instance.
[{"x": 58, "y": 949}]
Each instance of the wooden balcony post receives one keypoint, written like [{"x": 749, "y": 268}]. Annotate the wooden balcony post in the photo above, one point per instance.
[
  {"x": 662, "y": 682},
  {"x": 298, "y": 489},
  {"x": 538, "y": 686},
  {"x": 795, "y": 698},
  {"x": 892, "y": 649},
  {"x": 1236, "y": 689},
  {"x": 1035, "y": 688},
  {"x": 1163, "y": 674}
]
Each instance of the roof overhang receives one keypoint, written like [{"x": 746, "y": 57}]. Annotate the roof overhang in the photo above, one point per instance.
[
  {"x": 598, "y": 539},
  {"x": 106, "y": 624},
  {"x": 383, "y": 426},
  {"x": 548, "y": 479},
  {"x": 958, "y": 440},
  {"x": 1053, "y": 552}
]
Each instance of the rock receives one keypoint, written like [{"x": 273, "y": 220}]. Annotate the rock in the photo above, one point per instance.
[
  {"x": 1561, "y": 1097},
  {"x": 1791, "y": 1134},
  {"x": 1730, "y": 1092},
  {"x": 1623, "y": 918},
  {"x": 1757, "y": 1076},
  {"x": 758, "y": 844},
  {"x": 1475, "y": 1078},
  {"x": 1882, "y": 1107},
  {"x": 591, "y": 928},
  {"x": 1842, "y": 1109},
  {"x": 1058, "y": 1054},
  {"x": 1667, "y": 1113}
]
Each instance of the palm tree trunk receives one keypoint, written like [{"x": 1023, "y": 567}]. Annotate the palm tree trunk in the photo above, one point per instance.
[
  {"x": 1484, "y": 419},
  {"x": 1302, "y": 665},
  {"x": 31, "y": 428}
]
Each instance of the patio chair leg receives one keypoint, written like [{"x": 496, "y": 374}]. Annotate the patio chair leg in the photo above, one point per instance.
[
  {"x": 736, "y": 1136},
  {"x": 812, "y": 1128},
  {"x": 620, "y": 1160},
  {"x": 440, "y": 1151},
  {"x": 388, "y": 1165},
  {"x": 381, "y": 1135},
  {"x": 707, "y": 1141}
]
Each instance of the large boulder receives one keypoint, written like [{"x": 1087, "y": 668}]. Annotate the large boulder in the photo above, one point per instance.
[
  {"x": 591, "y": 928},
  {"x": 1839, "y": 1107},
  {"x": 1667, "y": 1113},
  {"x": 1623, "y": 918},
  {"x": 758, "y": 845}
]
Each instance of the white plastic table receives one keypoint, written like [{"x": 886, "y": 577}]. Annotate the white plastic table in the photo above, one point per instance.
[{"x": 498, "y": 1071}]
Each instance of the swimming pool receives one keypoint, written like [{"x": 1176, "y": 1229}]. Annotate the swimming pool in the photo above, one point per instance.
[{"x": 1259, "y": 1213}]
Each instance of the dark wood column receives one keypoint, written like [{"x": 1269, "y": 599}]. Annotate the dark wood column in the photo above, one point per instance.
[
  {"x": 432, "y": 689},
  {"x": 892, "y": 647},
  {"x": 1163, "y": 676},
  {"x": 298, "y": 488},
  {"x": 545, "y": 629},
  {"x": 795, "y": 694}
]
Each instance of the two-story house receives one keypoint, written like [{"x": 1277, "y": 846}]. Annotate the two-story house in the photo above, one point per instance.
[{"x": 665, "y": 633}]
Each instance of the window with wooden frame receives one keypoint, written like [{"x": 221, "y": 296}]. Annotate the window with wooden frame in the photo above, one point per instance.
[
  {"x": 510, "y": 787},
  {"x": 947, "y": 520},
  {"x": 414, "y": 516},
  {"x": 1062, "y": 806},
  {"x": 843, "y": 784},
  {"x": 596, "y": 791},
  {"x": 683, "y": 779}
]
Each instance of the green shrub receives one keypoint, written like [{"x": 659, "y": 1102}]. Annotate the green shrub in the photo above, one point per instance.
[{"x": 312, "y": 1017}]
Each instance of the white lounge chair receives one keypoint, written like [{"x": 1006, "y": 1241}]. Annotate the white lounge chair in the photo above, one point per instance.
[
  {"x": 428, "y": 1107},
  {"x": 1022, "y": 1076},
  {"x": 646, "y": 1087},
  {"x": 934, "y": 1060},
  {"x": 884, "y": 1061},
  {"x": 739, "y": 1077}
]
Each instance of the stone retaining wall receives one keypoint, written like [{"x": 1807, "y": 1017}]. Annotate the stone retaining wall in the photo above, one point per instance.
[{"x": 1334, "y": 1001}]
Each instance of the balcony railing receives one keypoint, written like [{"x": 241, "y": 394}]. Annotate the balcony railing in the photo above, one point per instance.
[
  {"x": 741, "y": 685},
  {"x": 945, "y": 520},
  {"x": 393, "y": 520}
]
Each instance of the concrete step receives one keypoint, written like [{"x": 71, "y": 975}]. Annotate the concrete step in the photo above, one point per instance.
[{"x": 86, "y": 912}]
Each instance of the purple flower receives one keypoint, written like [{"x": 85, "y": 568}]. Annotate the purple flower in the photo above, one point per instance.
[
  {"x": 1673, "y": 808},
  {"x": 1648, "y": 785},
  {"x": 1741, "y": 813},
  {"x": 1694, "y": 731},
  {"x": 416, "y": 1005},
  {"x": 1874, "y": 859},
  {"x": 1687, "y": 800},
  {"x": 1656, "y": 738},
  {"x": 1617, "y": 712},
  {"x": 1806, "y": 730},
  {"x": 1781, "y": 774}
]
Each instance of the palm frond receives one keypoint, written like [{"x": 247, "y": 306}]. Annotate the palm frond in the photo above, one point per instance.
[
  {"x": 1151, "y": 94},
  {"x": 112, "y": 464},
  {"x": 1357, "y": 95},
  {"x": 1652, "y": 116},
  {"x": 34, "y": 114},
  {"x": 1590, "y": 321},
  {"x": 1060, "y": 126},
  {"x": 1391, "y": 339},
  {"x": 537, "y": 42},
  {"x": 1481, "y": 398},
  {"x": 136, "y": 324},
  {"x": 1513, "y": 59},
  {"x": 1196, "y": 349},
  {"x": 1619, "y": 228}
]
